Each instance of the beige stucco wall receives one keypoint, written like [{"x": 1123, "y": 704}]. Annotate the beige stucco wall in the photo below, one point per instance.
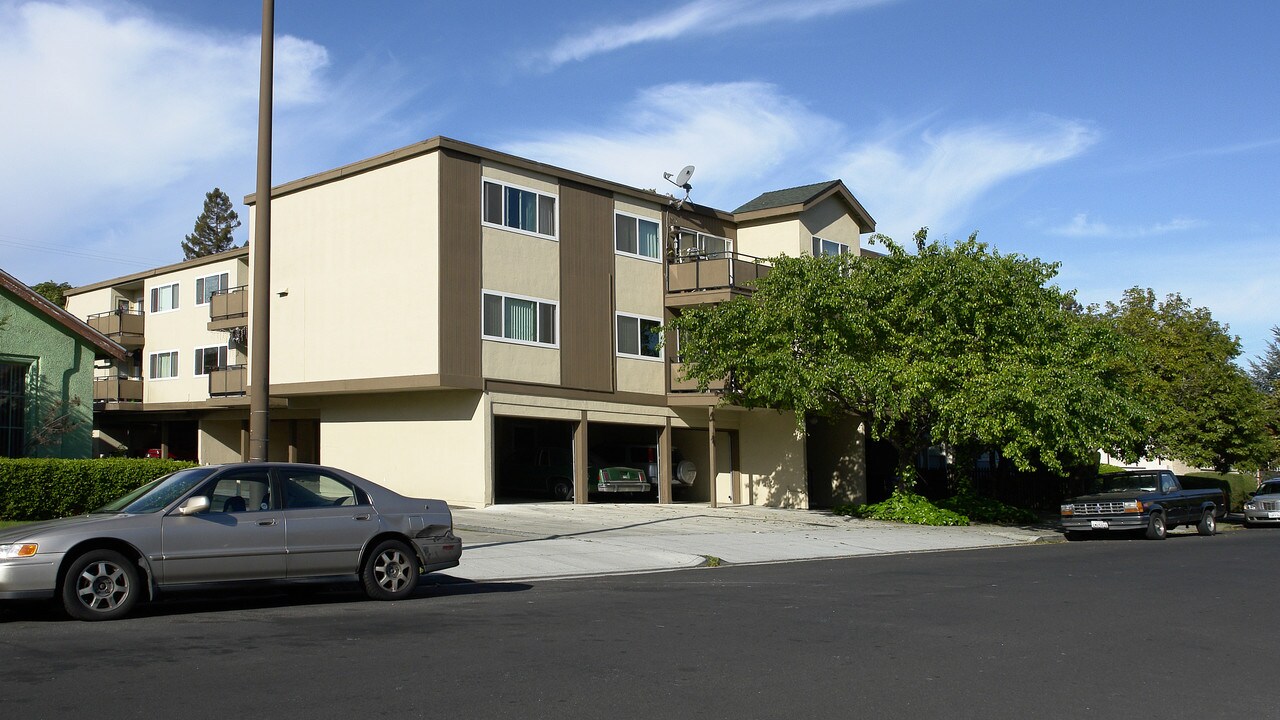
[
  {"x": 184, "y": 330},
  {"x": 521, "y": 363},
  {"x": 355, "y": 265},
  {"x": 421, "y": 444},
  {"x": 219, "y": 441},
  {"x": 830, "y": 220},
  {"x": 520, "y": 264},
  {"x": 836, "y": 458},
  {"x": 783, "y": 237},
  {"x": 773, "y": 460}
]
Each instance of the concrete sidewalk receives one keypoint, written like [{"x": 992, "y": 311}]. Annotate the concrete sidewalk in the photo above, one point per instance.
[{"x": 560, "y": 540}]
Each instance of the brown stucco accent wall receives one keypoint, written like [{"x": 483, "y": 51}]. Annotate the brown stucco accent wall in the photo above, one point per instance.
[
  {"x": 459, "y": 265},
  {"x": 586, "y": 287}
]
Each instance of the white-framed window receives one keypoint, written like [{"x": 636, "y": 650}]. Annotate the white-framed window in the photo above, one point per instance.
[
  {"x": 514, "y": 318},
  {"x": 512, "y": 207},
  {"x": 639, "y": 337},
  {"x": 208, "y": 285},
  {"x": 163, "y": 365},
  {"x": 164, "y": 298},
  {"x": 636, "y": 236},
  {"x": 210, "y": 358},
  {"x": 691, "y": 243},
  {"x": 823, "y": 247}
]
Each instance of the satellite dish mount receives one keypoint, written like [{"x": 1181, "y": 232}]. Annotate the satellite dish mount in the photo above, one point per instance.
[{"x": 681, "y": 180}]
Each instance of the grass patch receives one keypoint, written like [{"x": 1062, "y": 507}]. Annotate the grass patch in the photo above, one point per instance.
[{"x": 711, "y": 561}]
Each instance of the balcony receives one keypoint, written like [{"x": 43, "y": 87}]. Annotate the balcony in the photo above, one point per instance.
[
  {"x": 696, "y": 279},
  {"x": 116, "y": 388},
  {"x": 232, "y": 380},
  {"x": 229, "y": 309},
  {"x": 678, "y": 385},
  {"x": 124, "y": 326}
]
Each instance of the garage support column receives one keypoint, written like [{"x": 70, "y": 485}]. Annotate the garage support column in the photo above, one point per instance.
[
  {"x": 580, "y": 460},
  {"x": 664, "y": 463},
  {"x": 711, "y": 452},
  {"x": 164, "y": 439},
  {"x": 293, "y": 441}
]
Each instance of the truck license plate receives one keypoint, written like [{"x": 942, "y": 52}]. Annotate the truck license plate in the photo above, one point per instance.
[{"x": 1101, "y": 524}]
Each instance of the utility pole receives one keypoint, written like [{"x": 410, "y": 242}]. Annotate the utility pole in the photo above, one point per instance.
[{"x": 260, "y": 339}]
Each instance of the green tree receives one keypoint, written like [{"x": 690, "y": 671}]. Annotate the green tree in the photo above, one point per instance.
[
  {"x": 954, "y": 343},
  {"x": 1206, "y": 411},
  {"x": 214, "y": 227},
  {"x": 54, "y": 292},
  {"x": 1265, "y": 373}
]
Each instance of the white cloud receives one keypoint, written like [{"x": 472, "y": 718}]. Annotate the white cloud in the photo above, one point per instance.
[
  {"x": 1081, "y": 226},
  {"x": 700, "y": 17},
  {"x": 933, "y": 177},
  {"x": 116, "y": 123},
  {"x": 736, "y": 134}
]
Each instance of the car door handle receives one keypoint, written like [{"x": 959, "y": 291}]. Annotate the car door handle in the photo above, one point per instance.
[
  {"x": 364, "y": 516},
  {"x": 267, "y": 523}
]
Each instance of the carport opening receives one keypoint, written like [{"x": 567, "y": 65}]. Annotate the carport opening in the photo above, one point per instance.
[
  {"x": 533, "y": 460},
  {"x": 613, "y": 445}
]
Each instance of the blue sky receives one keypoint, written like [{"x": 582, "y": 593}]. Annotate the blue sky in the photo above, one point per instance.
[{"x": 1136, "y": 143}]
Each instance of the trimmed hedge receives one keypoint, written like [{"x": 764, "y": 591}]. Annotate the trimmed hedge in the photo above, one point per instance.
[{"x": 43, "y": 489}]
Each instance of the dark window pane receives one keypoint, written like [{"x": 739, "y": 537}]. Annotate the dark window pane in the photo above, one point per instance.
[
  {"x": 624, "y": 230},
  {"x": 628, "y": 335},
  {"x": 493, "y": 203},
  {"x": 546, "y": 215},
  {"x": 493, "y": 316},
  {"x": 547, "y": 323},
  {"x": 650, "y": 338}
]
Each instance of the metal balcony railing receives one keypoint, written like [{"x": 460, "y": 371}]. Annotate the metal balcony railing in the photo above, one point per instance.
[
  {"x": 126, "y": 327},
  {"x": 117, "y": 388},
  {"x": 230, "y": 380},
  {"x": 692, "y": 272}
]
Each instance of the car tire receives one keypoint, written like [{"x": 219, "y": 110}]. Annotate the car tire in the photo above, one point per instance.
[
  {"x": 100, "y": 585},
  {"x": 562, "y": 489},
  {"x": 1156, "y": 528},
  {"x": 1208, "y": 524},
  {"x": 390, "y": 572}
]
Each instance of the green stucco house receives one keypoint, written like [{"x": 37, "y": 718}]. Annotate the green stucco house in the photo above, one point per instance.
[{"x": 46, "y": 375}]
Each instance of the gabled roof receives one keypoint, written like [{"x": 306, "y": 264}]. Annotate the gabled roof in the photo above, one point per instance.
[
  {"x": 795, "y": 200},
  {"x": 103, "y": 345}
]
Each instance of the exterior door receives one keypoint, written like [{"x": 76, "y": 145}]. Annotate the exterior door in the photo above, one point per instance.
[{"x": 240, "y": 537}]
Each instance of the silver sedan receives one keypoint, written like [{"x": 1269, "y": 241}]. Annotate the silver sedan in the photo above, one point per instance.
[
  {"x": 1263, "y": 507},
  {"x": 230, "y": 523}
]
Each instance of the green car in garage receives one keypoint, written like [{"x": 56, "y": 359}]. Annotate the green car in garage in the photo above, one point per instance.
[{"x": 548, "y": 472}]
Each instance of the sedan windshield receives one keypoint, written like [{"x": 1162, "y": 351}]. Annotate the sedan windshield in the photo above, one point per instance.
[
  {"x": 1269, "y": 489},
  {"x": 158, "y": 494}
]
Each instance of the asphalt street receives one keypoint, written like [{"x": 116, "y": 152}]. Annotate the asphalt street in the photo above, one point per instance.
[{"x": 1105, "y": 628}]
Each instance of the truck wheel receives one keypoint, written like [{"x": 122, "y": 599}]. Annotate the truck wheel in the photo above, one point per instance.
[
  {"x": 562, "y": 489},
  {"x": 1208, "y": 524},
  {"x": 1156, "y": 529}
]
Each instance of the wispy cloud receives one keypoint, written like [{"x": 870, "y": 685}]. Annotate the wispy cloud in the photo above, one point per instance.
[
  {"x": 931, "y": 177},
  {"x": 735, "y": 133},
  {"x": 700, "y": 17},
  {"x": 1081, "y": 226}
]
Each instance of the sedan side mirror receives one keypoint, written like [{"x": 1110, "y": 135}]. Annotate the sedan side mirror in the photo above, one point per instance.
[{"x": 194, "y": 505}]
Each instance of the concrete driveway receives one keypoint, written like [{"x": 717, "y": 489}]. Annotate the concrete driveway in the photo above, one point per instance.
[{"x": 559, "y": 540}]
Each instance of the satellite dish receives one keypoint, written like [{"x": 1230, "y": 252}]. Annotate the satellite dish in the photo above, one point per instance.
[{"x": 681, "y": 180}]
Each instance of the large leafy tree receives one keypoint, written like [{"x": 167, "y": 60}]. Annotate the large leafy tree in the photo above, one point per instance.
[
  {"x": 54, "y": 292},
  {"x": 214, "y": 227},
  {"x": 1265, "y": 373},
  {"x": 953, "y": 343},
  {"x": 1207, "y": 412}
]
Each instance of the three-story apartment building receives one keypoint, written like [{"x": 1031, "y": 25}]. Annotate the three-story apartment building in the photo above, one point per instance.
[{"x": 440, "y": 312}]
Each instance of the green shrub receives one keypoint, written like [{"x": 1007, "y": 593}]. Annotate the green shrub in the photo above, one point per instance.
[
  {"x": 987, "y": 510},
  {"x": 1104, "y": 468},
  {"x": 43, "y": 489},
  {"x": 1235, "y": 484},
  {"x": 906, "y": 508}
]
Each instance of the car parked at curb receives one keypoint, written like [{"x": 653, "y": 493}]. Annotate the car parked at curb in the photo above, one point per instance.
[
  {"x": 230, "y": 523},
  {"x": 1263, "y": 505},
  {"x": 1150, "y": 501}
]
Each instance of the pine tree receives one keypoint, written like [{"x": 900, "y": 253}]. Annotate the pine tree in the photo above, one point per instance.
[{"x": 213, "y": 229}]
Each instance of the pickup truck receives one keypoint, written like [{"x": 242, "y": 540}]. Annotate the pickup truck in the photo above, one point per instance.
[{"x": 1149, "y": 500}]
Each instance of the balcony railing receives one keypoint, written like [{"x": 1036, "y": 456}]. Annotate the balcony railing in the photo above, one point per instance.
[
  {"x": 678, "y": 385},
  {"x": 124, "y": 326},
  {"x": 232, "y": 380},
  {"x": 714, "y": 271},
  {"x": 114, "y": 388},
  {"x": 229, "y": 308}
]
